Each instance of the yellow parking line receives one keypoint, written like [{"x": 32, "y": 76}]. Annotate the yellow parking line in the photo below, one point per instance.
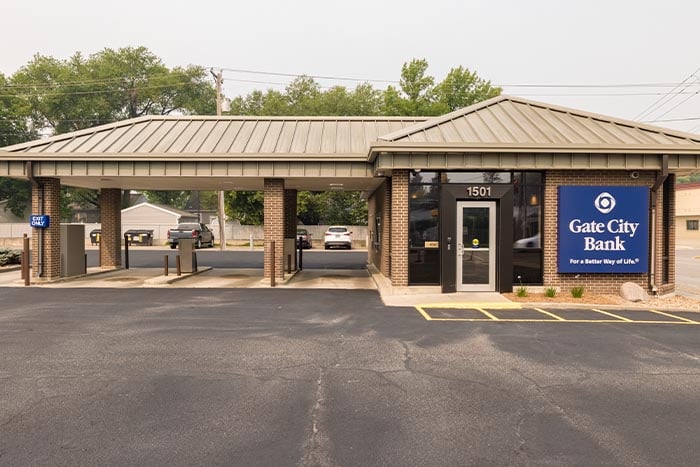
[
  {"x": 473, "y": 305},
  {"x": 558, "y": 318},
  {"x": 613, "y": 315},
  {"x": 424, "y": 313},
  {"x": 530, "y": 320},
  {"x": 674, "y": 316},
  {"x": 488, "y": 314}
]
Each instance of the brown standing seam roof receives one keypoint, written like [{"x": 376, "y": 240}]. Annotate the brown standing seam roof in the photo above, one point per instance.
[
  {"x": 249, "y": 136},
  {"x": 511, "y": 120}
]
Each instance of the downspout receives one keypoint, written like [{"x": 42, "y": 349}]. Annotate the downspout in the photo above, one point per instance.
[
  {"x": 660, "y": 179},
  {"x": 35, "y": 182}
]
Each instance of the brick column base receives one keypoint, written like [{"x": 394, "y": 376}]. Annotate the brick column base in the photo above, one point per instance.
[
  {"x": 273, "y": 227},
  {"x": 46, "y": 243},
  {"x": 111, "y": 220}
]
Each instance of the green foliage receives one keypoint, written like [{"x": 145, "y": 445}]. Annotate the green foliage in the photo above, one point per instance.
[
  {"x": 111, "y": 85},
  {"x": 577, "y": 292},
  {"x": 521, "y": 291},
  {"x": 245, "y": 206},
  {"x": 176, "y": 199},
  {"x": 10, "y": 256},
  {"x": 331, "y": 207},
  {"x": 18, "y": 194},
  {"x": 692, "y": 178},
  {"x": 550, "y": 292},
  {"x": 462, "y": 88}
]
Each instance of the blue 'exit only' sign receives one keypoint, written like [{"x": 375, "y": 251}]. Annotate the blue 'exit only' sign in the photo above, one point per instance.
[{"x": 40, "y": 222}]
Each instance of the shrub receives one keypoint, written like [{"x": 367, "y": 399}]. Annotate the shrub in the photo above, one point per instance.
[
  {"x": 522, "y": 290},
  {"x": 9, "y": 256},
  {"x": 577, "y": 292},
  {"x": 550, "y": 292}
]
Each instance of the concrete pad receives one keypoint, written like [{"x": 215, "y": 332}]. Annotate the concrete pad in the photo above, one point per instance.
[
  {"x": 331, "y": 279},
  {"x": 422, "y": 296}
]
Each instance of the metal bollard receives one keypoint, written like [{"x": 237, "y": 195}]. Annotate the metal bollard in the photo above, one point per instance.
[
  {"x": 272, "y": 263},
  {"x": 165, "y": 265},
  {"x": 177, "y": 265},
  {"x": 289, "y": 264},
  {"x": 126, "y": 251},
  {"x": 301, "y": 256},
  {"x": 251, "y": 242},
  {"x": 25, "y": 260}
]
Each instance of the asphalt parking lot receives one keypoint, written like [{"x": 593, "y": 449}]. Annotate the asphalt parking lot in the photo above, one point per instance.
[{"x": 332, "y": 377}]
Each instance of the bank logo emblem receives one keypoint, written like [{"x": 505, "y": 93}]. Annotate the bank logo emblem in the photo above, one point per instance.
[{"x": 605, "y": 202}]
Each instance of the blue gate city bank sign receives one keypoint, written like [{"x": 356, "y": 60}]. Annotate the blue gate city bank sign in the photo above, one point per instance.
[{"x": 603, "y": 229}]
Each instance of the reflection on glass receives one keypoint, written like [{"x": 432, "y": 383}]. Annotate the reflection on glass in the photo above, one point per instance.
[
  {"x": 476, "y": 177},
  {"x": 475, "y": 245}
]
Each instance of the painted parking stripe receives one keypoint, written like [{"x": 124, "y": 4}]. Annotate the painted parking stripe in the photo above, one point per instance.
[
  {"x": 674, "y": 316},
  {"x": 558, "y": 318},
  {"x": 424, "y": 313},
  {"x": 622, "y": 318},
  {"x": 488, "y": 314},
  {"x": 490, "y": 317}
]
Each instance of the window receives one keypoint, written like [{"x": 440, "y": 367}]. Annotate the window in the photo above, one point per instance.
[
  {"x": 527, "y": 227},
  {"x": 691, "y": 225},
  {"x": 423, "y": 229}
]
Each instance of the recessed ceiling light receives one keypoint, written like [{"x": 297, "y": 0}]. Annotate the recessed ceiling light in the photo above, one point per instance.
[{"x": 335, "y": 185}]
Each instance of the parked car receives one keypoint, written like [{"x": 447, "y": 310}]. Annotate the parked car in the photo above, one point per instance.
[
  {"x": 337, "y": 235},
  {"x": 304, "y": 237},
  {"x": 200, "y": 233}
]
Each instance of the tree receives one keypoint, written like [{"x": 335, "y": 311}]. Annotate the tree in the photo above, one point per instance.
[
  {"x": 462, "y": 88},
  {"x": 14, "y": 128},
  {"x": 246, "y": 206},
  {"x": 111, "y": 85},
  {"x": 176, "y": 199}
]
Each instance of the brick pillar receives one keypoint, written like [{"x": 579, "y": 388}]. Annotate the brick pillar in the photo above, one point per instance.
[
  {"x": 111, "y": 220},
  {"x": 290, "y": 223},
  {"x": 671, "y": 232},
  {"x": 274, "y": 225},
  {"x": 46, "y": 252},
  {"x": 385, "y": 234},
  {"x": 399, "y": 228}
]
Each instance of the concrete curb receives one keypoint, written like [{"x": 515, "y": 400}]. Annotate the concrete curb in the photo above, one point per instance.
[{"x": 10, "y": 268}]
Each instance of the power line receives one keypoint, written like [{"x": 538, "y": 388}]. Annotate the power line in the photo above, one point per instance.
[{"x": 664, "y": 100}]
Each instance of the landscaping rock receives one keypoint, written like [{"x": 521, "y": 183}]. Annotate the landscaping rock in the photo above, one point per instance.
[{"x": 633, "y": 292}]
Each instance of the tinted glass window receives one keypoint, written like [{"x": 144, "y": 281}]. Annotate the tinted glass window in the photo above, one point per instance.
[
  {"x": 476, "y": 177},
  {"x": 188, "y": 226},
  {"x": 338, "y": 229},
  {"x": 527, "y": 227}
]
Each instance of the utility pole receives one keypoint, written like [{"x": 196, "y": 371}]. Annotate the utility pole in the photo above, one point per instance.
[{"x": 219, "y": 79}]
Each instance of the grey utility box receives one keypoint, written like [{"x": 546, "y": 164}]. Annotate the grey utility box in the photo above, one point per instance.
[
  {"x": 188, "y": 258},
  {"x": 72, "y": 250}
]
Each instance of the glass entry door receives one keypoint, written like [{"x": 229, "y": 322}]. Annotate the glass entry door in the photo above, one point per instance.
[{"x": 476, "y": 246}]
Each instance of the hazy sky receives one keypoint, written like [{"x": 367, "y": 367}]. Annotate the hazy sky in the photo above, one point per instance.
[{"x": 510, "y": 42}]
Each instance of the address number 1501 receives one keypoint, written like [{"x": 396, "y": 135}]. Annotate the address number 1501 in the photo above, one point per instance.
[{"x": 479, "y": 191}]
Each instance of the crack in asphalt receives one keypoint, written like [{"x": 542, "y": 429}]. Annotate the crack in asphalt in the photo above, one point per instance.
[
  {"x": 608, "y": 440},
  {"x": 317, "y": 446}
]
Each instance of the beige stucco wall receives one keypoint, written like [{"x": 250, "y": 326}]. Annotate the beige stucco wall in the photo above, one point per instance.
[{"x": 687, "y": 208}]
